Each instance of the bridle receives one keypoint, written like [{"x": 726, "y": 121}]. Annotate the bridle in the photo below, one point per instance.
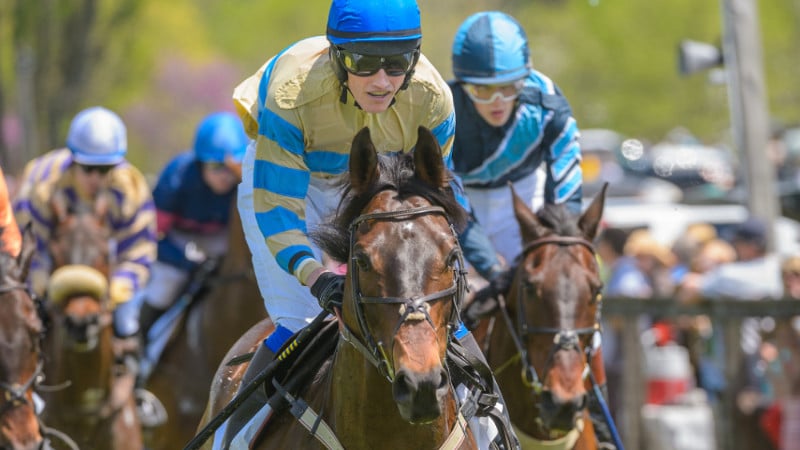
[
  {"x": 564, "y": 339},
  {"x": 374, "y": 350},
  {"x": 15, "y": 393}
]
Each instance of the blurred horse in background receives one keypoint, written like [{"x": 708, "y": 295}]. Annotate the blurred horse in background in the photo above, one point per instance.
[
  {"x": 96, "y": 406},
  {"x": 226, "y": 305},
  {"x": 20, "y": 354}
]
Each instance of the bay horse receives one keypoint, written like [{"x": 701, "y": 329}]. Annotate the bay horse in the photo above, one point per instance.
[
  {"x": 225, "y": 308},
  {"x": 540, "y": 340},
  {"x": 386, "y": 384},
  {"x": 95, "y": 406},
  {"x": 20, "y": 354}
]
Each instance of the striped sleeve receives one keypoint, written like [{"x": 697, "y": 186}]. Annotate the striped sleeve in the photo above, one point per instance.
[
  {"x": 565, "y": 169},
  {"x": 133, "y": 225},
  {"x": 280, "y": 176}
]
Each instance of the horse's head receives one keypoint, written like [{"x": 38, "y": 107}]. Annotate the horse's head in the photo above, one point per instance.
[
  {"x": 77, "y": 297},
  {"x": 554, "y": 306},
  {"x": 81, "y": 235},
  {"x": 405, "y": 270},
  {"x": 20, "y": 333}
]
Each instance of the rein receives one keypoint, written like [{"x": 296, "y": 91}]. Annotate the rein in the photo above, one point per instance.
[
  {"x": 373, "y": 350},
  {"x": 15, "y": 393},
  {"x": 564, "y": 339}
]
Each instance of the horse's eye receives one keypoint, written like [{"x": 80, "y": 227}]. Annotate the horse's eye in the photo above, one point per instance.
[{"x": 362, "y": 261}]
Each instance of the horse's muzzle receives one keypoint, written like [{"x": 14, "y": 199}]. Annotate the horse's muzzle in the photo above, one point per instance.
[
  {"x": 419, "y": 395},
  {"x": 559, "y": 414}
]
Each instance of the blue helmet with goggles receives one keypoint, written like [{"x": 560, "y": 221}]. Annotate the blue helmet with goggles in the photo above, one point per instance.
[
  {"x": 97, "y": 137},
  {"x": 220, "y": 136},
  {"x": 490, "y": 48},
  {"x": 369, "y": 35}
]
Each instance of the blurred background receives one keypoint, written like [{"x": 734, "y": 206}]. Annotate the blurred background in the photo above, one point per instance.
[
  {"x": 164, "y": 65},
  {"x": 662, "y": 139}
]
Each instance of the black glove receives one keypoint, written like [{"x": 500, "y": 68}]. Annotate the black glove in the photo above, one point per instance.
[
  {"x": 329, "y": 290},
  {"x": 485, "y": 301}
]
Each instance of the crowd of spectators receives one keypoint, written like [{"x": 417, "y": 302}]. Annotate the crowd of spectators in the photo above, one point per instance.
[{"x": 705, "y": 264}]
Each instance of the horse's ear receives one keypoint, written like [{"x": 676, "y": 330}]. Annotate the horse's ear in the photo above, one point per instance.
[
  {"x": 590, "y": 219},
  {"x": 363, "y": 162},
  {"x": 428, "y": 163},
  {"x": 529, "y": 224},
  {"x": 26, "y": 252}
]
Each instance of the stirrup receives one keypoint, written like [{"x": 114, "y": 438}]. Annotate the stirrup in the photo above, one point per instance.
[{"x": 149, "y": 408}]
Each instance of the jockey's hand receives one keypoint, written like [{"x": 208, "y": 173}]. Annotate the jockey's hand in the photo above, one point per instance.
[
  {"x": 485, "y": 301},
  {"x": 329, "y": 290}
]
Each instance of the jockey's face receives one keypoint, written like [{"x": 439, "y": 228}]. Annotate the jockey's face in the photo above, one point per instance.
[
  {"x": 374, "y": 93},
  {"x": 219, "y": 177},
  {"x": 91, "y": 178},
  {"x": 497, "y": 112}
]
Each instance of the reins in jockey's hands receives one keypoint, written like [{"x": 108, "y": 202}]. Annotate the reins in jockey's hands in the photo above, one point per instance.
[
  {"x": 485, "y": 301},
  {"x": 329, "y": 290}
]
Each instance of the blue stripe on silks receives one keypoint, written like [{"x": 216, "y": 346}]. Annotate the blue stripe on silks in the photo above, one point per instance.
[
  {"x": 144, "y": 234},
  {"x": 277, "y": 129},
  {"x": 277, "y": 220},
  {"x": 128, "y": 275},
  {"x": 565, "y": 150},
  {"x": 264, "y": 82},
  {"x": 327, "y": 162},
  {"x": 445, "y": 130},
  {"x": 280, "y": 180},
  {"x": 287, "y": 255},
  {"x": 568, "y": 186}
]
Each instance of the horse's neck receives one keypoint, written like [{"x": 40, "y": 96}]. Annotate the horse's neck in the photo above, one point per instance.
[
  {"x": 89, "y": 373},
  {"x": 363, "y": 413}
]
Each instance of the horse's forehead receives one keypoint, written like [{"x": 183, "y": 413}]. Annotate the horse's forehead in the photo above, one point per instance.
[{"x": 556, "y": 263}]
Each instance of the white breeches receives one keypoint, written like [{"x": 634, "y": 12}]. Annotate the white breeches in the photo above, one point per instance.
[
  {"x": 288, "y": 303},
  {"x": 494, "y": 211}
]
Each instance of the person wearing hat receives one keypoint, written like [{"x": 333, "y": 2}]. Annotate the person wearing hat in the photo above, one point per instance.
[
  {"x": 92, "y": 165},
  {"x": 193, "y": 197},
  {"x": 514, "y": 126},
  {"x": 302, "y": 109}
]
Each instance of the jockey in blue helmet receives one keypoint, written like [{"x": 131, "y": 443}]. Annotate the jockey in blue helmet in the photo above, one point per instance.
[
  {"x": 302, "y": 109},
  {"x": 514, "y": 126},
  {"x": 194, "y": 196}
]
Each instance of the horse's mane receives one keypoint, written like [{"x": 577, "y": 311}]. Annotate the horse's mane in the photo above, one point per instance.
[
  {"x": 560, "y": 220},
  {"x": 397, "y": 174}
]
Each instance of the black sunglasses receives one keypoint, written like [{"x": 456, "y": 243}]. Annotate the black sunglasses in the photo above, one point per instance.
[
  {"x": 102, "y": 170},
  {"x": 367, "y": 65}
]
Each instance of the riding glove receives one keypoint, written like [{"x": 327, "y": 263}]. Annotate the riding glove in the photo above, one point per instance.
[
  {"x": 485, "y": 301},
  {"x": 329, "y": 290}
]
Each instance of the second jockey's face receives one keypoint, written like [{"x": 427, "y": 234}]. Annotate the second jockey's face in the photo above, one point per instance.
[
  {"x": 374, "y": 93},
  {"x": 219, "y": 177}
]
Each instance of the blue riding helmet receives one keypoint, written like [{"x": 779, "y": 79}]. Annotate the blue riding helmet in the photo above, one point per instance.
[
  {"x": 490, "y": 48},
  {"x": 97, "y": 137},
  {"x": 375, "y": 27},
  {"x": 220, "y": 136}
]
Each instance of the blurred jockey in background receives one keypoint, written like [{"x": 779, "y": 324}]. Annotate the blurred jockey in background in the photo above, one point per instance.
[
  {"x": 194, "y": 195},
  {"x": 92, "y": 165}
]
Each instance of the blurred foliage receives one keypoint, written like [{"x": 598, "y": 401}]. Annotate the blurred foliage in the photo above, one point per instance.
[{"x": 170, "y": 63}]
